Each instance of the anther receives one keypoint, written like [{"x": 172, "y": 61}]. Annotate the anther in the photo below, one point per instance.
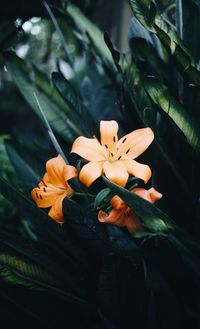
[
  {"x": 119, "y": 157},
  {"x": 127, "y": 151},
  {"x": 41, "y": 197},
  {"x": 36, "y": 195},
  {"x": 106, "y": 146},
  {"x": 124, "y": 140},
  {"x": 112, "y": 154},
  {"x": 114, "y": 139},
  {"x": 44, "y": 182},
  {"x": 44, "y": 189}
]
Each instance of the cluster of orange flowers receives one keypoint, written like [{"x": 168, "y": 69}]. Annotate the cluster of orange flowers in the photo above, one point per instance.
[{"x": 110, "y": 157}]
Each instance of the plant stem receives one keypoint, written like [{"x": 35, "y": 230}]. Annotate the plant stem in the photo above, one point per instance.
[{"x": 85, "y": 194}]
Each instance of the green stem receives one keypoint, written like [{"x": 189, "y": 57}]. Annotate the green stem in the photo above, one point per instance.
[{"x": 85, "y": 194}]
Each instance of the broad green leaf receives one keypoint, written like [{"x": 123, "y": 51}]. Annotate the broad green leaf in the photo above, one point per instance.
[
  {"x": 183, "y": 59},
  {"x": 160, "y": 94},
  {"x": 74, "y": 101},
  {"x": 18, "y": 271},
  {"x": 51, "y": 102},
  {"x": 94, "y": 32},
  {"x": 25, "y": 163}
]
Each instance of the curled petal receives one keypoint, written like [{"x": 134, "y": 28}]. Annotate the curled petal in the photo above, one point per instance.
[
  {"x": 56, "y": 210},
  {"x": 108, "y": 131},
  {"x": 90, "y": 172},
  {"x": 116, "y": 172},
  {"x": 117, "y": 203},
  {"x": 135, "y": 143},
  {"x": 150, "y": 195},
  {"x": 114, "y": 217},
  {"x": 89, "y": 149},
  {"x": 138, "y": 170},
  {"x": 55, "y": 168}
]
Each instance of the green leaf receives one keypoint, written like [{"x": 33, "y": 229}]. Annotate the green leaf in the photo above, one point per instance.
[
  {"x": 182, "y": 58},
  {"x": 16, "y": 270},
  {"x": 51, "y": 102},
  {"x": 152, "y": 217},
  {"x": 25, "y": 163},
  {"x": 145, "y": 12},
  {"x": 94, "y": 32},
  {"x": 160, "y": 94},
  {"x": 82, "y": 116}
]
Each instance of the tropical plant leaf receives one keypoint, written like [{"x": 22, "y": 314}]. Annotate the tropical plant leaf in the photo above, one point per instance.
[
  {"x": 159, "y": 93},
  {"x": 86, "y": 226},
  {"x": 145, "y": 12},
  {"x": 94, "y": 32},
  {"x": 152, "y": 217},
  {"x": 26, "y": 164},
  {"x": 51, "y": 106},
  {"x": 75, "y": 103},
  {"x": 18, "y": 271}
]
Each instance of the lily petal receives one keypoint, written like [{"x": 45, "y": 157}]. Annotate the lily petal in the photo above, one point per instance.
[
  {"x": 108, "y": 131},
  {"x": 90, "y": 172},
  {"x": 150, "y": 195},
  {"x": 69, "y": 172},
  {"x": 54, "y": 168},
  {"x": 117, "y": 203},
  {"x": 138, "y": 170},
  {"x": 56, "y": 210},
  {"x": 89, "y": 149},
  {"x": 114, "y": 217},
  {"x": 45, "y": 197},
  {"x": 116, "y": 172},
  {"x": 135, "y": 143},
  {"x": 132, "y": 223}
]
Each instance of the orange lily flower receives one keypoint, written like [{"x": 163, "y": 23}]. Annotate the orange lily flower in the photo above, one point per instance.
[
  {"x": 113, "y": 157},
  {"x": 122, "y": 215},
  {"x": 53, "y": 188}
]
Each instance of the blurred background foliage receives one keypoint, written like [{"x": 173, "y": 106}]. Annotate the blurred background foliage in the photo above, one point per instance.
[{"x": 144, "y": 71}]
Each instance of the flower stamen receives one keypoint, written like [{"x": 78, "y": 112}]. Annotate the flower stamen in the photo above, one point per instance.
[{"x": 44, "y": 183}]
